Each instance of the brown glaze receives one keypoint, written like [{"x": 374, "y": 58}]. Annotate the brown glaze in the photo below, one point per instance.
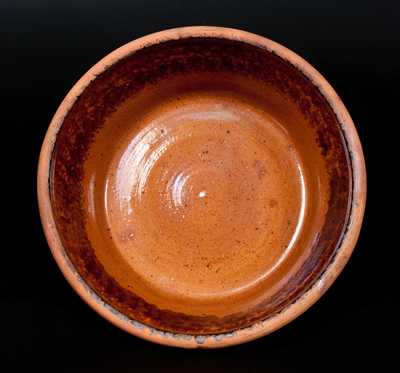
[
  {"x": 197, "y": 197},
  {"x": 203, "y": 184}
]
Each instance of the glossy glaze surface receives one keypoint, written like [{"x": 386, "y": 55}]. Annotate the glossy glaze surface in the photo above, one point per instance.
[
  {"x": 197, "y": 194},
  {"x": 209, "y": 269}
]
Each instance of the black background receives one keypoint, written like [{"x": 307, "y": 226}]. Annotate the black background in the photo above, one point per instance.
[{"x": 47, "y": 45}]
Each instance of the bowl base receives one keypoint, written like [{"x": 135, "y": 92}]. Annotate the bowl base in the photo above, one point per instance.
[{"x": 201, "y": 190}]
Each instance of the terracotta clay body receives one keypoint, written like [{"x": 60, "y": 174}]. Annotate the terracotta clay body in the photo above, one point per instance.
[{"x": 202, "y": 184}]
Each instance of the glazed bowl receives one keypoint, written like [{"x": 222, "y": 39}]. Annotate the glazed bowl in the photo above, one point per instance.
[{"x": 201, "y": 186}]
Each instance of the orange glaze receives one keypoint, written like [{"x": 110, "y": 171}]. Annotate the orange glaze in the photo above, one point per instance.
[{"x": 198, "y": 197}]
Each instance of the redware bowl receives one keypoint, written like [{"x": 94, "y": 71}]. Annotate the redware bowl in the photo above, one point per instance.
[{"x": 201, "y": 186}]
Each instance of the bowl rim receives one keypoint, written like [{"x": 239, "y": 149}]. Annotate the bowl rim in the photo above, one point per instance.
[{"x": 260, "y": 328}]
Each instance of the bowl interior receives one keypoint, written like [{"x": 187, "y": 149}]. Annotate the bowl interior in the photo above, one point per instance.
[{"x": 200, "y": 185}]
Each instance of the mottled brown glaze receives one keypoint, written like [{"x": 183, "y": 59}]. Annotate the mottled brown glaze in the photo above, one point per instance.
[{"x": 211, "y": 258}]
